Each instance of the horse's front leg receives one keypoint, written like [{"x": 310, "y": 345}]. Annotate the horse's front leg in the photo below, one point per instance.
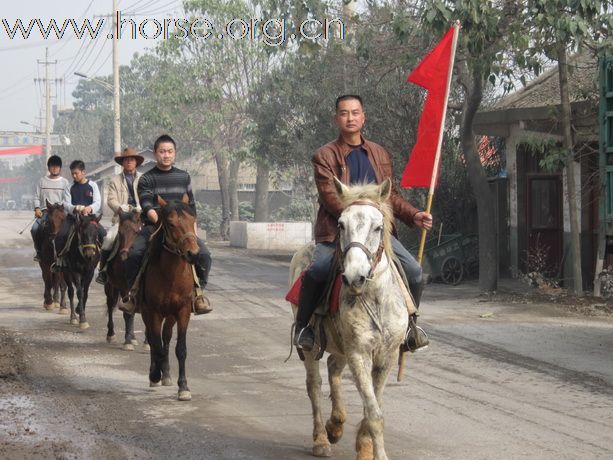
[
  {"x": 369, "y": 441},
  {"x": 48, "y": 280},
  {"x": 84, "y": 285},
  {"x": 169, "y": 323},
  {"x": 112, "y": 295},
  {"x": 153, "y": 331},
  {"x": 334, "y": 425},
  {"x": 61, "y": 282},
  {"x": 321, "y": 444},
  {"x": 129, "y": 338},
  {"x": 181, "y": 352}
]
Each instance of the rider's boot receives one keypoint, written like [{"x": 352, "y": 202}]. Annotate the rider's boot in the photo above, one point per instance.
[
  {"x": 127, "y": 304},
  {"x": 310, "y": 292},
  {"x": 202, "y": 304},
  {"x": 104, "y": 257},
  {"x": 415, "y": 338}
]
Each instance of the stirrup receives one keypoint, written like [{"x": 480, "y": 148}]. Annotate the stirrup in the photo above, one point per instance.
[
  {"x": 415, "y": 339},
  {"x": 304, "y": 338}
]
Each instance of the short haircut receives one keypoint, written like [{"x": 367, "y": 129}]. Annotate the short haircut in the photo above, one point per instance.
[
  {"x": 348, "y": 97},
  {"x": 77, "y": 164},
  {"x": 163, "y": 138}
]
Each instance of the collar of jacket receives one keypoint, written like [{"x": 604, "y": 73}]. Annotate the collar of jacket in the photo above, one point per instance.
[{"x": 345, "y": 149}]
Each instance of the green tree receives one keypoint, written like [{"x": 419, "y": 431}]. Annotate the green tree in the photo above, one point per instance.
[{"x": 559, "y": 27}]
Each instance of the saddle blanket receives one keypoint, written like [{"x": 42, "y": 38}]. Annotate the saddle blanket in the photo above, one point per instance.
[{"x": 293, "y": 295}]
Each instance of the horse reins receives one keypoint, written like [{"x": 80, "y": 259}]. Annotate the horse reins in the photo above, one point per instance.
[{"x": 373, "y": 259}]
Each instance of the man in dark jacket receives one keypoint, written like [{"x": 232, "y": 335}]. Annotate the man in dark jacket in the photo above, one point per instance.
[
  {"x": 352, "y": 159},
  {"x": 170, "y": 183}
]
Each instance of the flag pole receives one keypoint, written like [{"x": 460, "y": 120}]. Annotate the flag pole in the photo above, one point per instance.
[
  {"x": 437, "y": 157},
  {"x": 433, "y": 179}
]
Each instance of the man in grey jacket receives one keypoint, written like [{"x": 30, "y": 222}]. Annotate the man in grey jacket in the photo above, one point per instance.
[
  {"x": 121, "y": 193},
  {"x": 49, "y": 188}
]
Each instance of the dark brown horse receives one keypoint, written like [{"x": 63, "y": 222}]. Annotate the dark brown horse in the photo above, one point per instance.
[
  {"x": 129, "y": 226},
  {"x": 168, "y": 290},
  {"x": 82, "y": 258},
  {"x": 55, "y": 287}
]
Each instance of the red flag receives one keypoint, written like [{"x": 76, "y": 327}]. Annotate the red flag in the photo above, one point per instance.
[{"x": 432, "y": 74}]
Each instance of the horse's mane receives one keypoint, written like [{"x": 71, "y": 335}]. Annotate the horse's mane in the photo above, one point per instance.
[
  {"x": 179, "y": 207},
  {"x": 370, "y": 192}
]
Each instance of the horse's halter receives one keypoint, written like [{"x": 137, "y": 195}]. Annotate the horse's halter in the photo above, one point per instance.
[
  {"x": 93, "y": 246},
  {"x": 373, "y": 259},
  {"x": 174, "y": 246}
]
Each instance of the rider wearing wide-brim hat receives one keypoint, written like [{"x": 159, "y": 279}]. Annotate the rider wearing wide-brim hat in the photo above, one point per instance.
[
  {"x": 129, "y": 152},
  {"x": 121, "y": 191}
]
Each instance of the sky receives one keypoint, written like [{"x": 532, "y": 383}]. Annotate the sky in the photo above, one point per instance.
[{"x": 21, "y": 98}]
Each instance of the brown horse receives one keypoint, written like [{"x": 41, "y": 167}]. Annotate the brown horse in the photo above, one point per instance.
[
  {"x": 129, "y": 226},
  {"x": 168, "y": 290},
  {"x": 54, "y": 282}
]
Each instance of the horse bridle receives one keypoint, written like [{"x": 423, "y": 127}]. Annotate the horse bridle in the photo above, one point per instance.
[
  {"x": 95, "y": 246},
  {"x": 373, "y": 259},
  {"x": 173, "y": 246}
]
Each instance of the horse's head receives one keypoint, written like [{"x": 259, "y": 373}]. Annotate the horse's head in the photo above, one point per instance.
[
  {"x": 87, "y": 226},
  {"x": 129, "y": 226},
  {"x": 178, "y": 220},
  {"x": 55, "y": 218},
  {"x": 364, "y": 230}
]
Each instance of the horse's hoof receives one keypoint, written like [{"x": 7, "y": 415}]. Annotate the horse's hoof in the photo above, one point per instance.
[
  {"x": 185, "y": 395},
  {"x": 110, "y": 338},
  {"x": 84, "y": 325},
  {"x": 55, "y": 305},
  {"x": 167, "y": 381},
  {"x": 48, "y": 306},
  {"x": 334, "y": 430},
  {"x": 155, "y": 384},
  {"x": 63, "y": 311},
  {"x": 128, "y": 347},
  {"x": 134, "y": 342},
  {"x": 322, "y": 450},
  {"x": 74, "y": 321},
  {"x": 146, "y": 347}
]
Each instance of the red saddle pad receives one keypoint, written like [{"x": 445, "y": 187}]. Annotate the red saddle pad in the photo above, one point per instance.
[{"x": 293, "y": 295}]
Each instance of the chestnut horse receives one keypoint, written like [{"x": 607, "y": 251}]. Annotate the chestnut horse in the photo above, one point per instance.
[
  {"x": 168, "y": 291},
  {"x": 82, "y": 258},
  {"x": 129, "y": 226},
  {"x": 54, "y": 282}
]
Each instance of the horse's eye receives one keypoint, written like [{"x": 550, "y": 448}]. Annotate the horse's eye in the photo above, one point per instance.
[
  {"x": 341, "y": 226},
  {"x": 379, "y": 228}
]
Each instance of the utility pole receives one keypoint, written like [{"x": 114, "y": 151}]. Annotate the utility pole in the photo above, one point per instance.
[
  {"x": 47, "y": 81},
  {"x": 116, "y": 111}
]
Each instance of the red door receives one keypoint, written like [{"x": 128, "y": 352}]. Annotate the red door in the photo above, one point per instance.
[{"x": 544, "y": 223}]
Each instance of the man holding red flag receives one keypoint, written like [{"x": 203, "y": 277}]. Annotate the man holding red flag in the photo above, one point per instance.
[{"x": 353, "y": 159}]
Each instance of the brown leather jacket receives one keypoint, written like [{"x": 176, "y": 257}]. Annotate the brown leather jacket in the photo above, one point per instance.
[{"x": 328, "y": 162}]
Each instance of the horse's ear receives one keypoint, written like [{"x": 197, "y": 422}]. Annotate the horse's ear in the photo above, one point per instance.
[
  {"x": 385, "y": 190},
  {"x": 185, "y": 198},
  {"x": 99, "y": 217},
  {"x": 47, "y": 204},
  {"x": 120, "y": 212},
  {"x": 162, "y": 201},
  {"x": 340, "y": 187}
]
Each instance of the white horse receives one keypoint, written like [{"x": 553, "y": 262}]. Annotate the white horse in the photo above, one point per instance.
[{"x": 371, "y": 323}]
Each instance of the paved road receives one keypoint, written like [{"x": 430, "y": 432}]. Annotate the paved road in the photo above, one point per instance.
[{"x": 528, "y": 380}]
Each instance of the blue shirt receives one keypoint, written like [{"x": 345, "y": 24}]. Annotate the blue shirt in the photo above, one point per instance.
[{"x": 360, "y": 168}]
